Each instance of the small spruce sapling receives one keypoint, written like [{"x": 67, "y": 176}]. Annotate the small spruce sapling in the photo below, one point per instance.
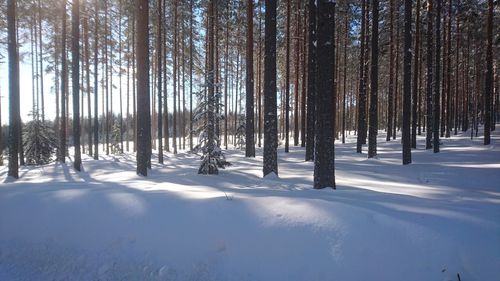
[
  {"x": 39, "y": 141},
  {"x": 212, "y": 157},
  {"x": 240, "y": 133}
]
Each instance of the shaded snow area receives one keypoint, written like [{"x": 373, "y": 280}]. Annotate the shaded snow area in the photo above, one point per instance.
[{"x": 430, "y": 220}]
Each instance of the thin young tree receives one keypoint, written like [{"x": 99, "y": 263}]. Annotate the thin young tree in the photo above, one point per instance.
[
  {"x": 143, "y": 107},
  {"x": 373, "y": 118},
  {"x": 270, "y": 164},
  {"x": 488, "y": 87},
  {"x": 324, "y": 158},
  {"x": 249, "y": 126},
  {"x": 406, "y": 135},
  {"x": 14, "y": 104}
]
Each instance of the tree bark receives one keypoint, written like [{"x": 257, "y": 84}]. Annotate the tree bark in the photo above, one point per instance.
[
  {"x": 311, "y": 81},
  {"x": 430, "y": 74},
  {"x": 437, "y": 84},
  {"x": 373, "y": 126},
  {"x": 270, "y": 110},
  {"x": 406, "y": 135},
  {"x": 361, "y": 137},
  {"x": 249, "y": 134},
  {"x": 488, "y": 88},
  {"x": 64, "y": 80},
  {"x": 14, "y": 102},
  {"x": 143, "y": 109},
  {"x": 324, "y": 158}
]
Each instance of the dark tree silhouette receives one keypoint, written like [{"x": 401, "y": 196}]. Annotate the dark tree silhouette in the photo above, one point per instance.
[{"x": 324, "y": 158}]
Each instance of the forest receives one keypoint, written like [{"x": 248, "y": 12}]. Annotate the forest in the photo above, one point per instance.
[{"x": 166, "y": 105}]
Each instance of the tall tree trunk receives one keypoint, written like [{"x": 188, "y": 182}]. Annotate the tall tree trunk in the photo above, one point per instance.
[
  {"x": 40, "y": 41},
  {"x": 390, "y": 94},
  {"x": 406, "y": 136},
  {"x": 311, "y": 81},
  {"x": 174, "y": 67},
  {"x": 143, "y": 109},
  {"x": 303, "y": 114},
  {"x": 159, "y": 85},
  {"x": 87, "y": 75},
  {"x": 75, "y": 73},
  {"x": 64, "y": 80},
  {"x": 361, "y": 137},
  {"x": 373, "y": 126},
  {"x": 430, "y": 75},
  {"x": 14, "y": 102},
  {"x": 191, "y": 46},
  {"x": 345, "y": 78},
  {"x": 414, "y": 91},
  {"x": 249, "y": 129},
  {"x": 488, "y": 87},
  {"x": 448, "y": 72},
  {"x": 287, "y": 78},
  {"x": 324, "y": 158},
  {"x": 296, "y": 87},
  {"x": 437, "y": 84},
  {"x": 270, "y": 111},
  {"x": 96, "y": 87}
]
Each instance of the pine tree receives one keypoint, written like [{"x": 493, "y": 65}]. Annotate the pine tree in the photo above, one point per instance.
[
  {"x": 159, "y": 80},
  {"x": 430, "y": 75},
  {"x": 270, "y": 105},
  {"x": 437, "y": 83},
  {"x": 75, "y": 72},
  {"x": 96, "y": 87},
  {"x": 488, "y": 87},
  {"x": 64, "y": 81},
  {"x": 311, "y": 81},
  {"x": 361, "y": 137},
  {"x": 406, "y": 135},
  {"x": 373, "y": 121},
  {"x": 143, "y": 109},
  {"x": 249, "y": 126},
  {"x": 324, "y": 152},
  {"x": 14, "y": 105}
]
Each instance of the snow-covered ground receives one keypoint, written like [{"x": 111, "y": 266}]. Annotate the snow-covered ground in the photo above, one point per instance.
[{"x": 430, "y": 220}]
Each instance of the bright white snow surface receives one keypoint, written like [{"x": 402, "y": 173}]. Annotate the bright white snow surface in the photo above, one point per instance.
[{"x": 426, "y": 221}]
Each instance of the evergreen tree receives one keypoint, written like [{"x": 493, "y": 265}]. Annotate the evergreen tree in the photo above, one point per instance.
[{"x": 39, "y": 141}]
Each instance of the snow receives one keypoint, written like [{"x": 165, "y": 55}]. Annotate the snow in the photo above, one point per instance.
[{"x": 429, "y": 220}]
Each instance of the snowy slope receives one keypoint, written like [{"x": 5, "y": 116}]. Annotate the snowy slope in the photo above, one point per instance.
[{"x": 426, "y": 221}]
